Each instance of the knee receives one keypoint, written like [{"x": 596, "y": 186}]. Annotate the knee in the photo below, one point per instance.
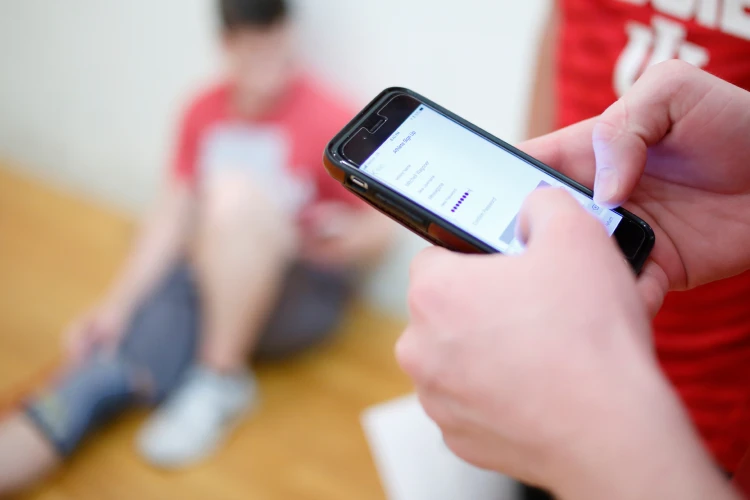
[
  {"x": 82, "y": 401},
  {"x": 229, "y": 202},
  {"x": 237, "y": 205}
]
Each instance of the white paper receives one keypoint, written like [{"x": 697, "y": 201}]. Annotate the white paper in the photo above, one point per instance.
[{"x": 415, "y": 464}]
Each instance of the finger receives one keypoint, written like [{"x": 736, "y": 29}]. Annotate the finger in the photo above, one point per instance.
[
  {"x": 109, "y": 343},
  {"x": 653, "y": 285},
  {"x": 440, "y": 281},
  {"x": 568, "y": 151},
  {"x": 408, "y": 354},
  {"x": 643, "y": 117},
  {"x": 417, "y": 358},
  {"x": 77, "y": 344},
  {"x": 552, "y": 212}
]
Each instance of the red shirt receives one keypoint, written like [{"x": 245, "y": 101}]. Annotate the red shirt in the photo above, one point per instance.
[
  {"x": 282, "y": 150},
  {"x": 702, "y": 336}
]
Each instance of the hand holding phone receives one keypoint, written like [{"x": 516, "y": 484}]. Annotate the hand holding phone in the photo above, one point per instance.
[
  {"x": 452, "y": 183},
  {"x": 693, "y": 185},
  {"x": 337, "y": 235},
  {"x": 325, "y": 221},
  {"x": 566, "y": 324}
]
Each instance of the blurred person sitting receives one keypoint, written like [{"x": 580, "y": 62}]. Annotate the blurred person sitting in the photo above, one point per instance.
[{"x": 250, "y": 250}]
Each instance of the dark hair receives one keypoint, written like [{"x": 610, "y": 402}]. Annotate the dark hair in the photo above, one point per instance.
[{"x": 237, "y": 14}]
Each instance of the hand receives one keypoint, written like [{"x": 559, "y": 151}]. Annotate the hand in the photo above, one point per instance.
[
  {"x": 100, "y": 328},
  {"x": 676, "y": 148},
  {"x": 337, "y": 235},
  {"x": 540, "y": 366}
]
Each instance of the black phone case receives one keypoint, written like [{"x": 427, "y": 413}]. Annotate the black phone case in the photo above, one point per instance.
[{"x": 421, "y": 221}]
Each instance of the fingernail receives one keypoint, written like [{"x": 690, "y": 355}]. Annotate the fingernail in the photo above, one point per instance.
[{"x": 606, "y": 185}]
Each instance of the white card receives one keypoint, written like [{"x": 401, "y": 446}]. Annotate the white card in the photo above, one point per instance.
[{"x": 415, "y": 464}]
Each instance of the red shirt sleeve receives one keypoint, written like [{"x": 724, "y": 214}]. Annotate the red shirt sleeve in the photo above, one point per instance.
[
  {"x": 207, "y": 108},
  {"x": 184, "y": 166},
  {"x": 332, "y": 116}
]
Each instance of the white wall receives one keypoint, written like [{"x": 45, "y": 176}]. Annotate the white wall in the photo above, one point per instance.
[{"x": 90, "y": 89}]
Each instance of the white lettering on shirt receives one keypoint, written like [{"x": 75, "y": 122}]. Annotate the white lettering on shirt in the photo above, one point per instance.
[
  {"x": 708, "y": 13},
  {"x": 650, "y": 45},
  {"x": 681, "y": 9},
  {"x": 729, "y": 16},
  {"x": 630, "y": 64},
  {"x": 736, "y": 18}
]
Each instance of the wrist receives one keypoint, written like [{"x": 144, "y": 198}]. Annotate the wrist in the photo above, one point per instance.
[{"x": 649, "y": 451}]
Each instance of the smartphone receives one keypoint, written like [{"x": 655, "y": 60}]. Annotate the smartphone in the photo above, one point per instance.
[{"x": 453, "y": 183}]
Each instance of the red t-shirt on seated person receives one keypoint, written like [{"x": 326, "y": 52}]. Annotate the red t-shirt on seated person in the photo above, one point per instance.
[
  {"x": 702, "y": 336},
  {"x": 282, "y": 150}
]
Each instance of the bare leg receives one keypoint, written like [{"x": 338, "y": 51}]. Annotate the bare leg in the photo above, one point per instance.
[
  {"x": 243, "y": 247},
  {"x": 25, "y": 455}
]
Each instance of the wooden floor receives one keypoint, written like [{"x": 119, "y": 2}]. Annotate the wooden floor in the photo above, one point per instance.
[{"x": 58, "y": 253}]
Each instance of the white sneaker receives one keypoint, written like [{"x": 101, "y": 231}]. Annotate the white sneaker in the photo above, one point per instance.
[{"x": 192, "y": 423}]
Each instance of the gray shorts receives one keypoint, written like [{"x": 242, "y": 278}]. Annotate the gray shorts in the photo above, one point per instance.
[{"x": 161, "y": 342}]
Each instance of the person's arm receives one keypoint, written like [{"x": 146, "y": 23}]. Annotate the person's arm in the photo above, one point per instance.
[
  {"x": 542, "y": 117},
  {"x": 161, "y": 242},
  {"x": 589, "y": 415},
  {"x": 654, "y": 454}
]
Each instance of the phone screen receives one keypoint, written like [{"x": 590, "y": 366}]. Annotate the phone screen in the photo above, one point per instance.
[{"x": 464, "y": 178}]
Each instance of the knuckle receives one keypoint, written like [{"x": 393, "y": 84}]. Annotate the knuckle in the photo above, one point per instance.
[
  {"x": 670, "y": 69},
  {"x": 424, "y": 297},
  {"x": 408, "y": 356},
  {"x": 417, "y": 359},
  {"x": 670, "y": 75},
  {"x": 425, "y": 293},
  {"x": 608, "y": 126}
]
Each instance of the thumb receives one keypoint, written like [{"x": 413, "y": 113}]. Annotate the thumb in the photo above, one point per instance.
[{"x": 640, "y": 119}]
